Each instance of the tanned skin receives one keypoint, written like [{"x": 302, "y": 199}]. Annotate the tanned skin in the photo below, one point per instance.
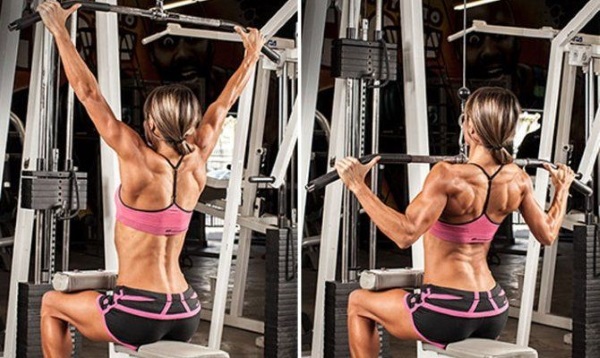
[
  {"x": 455, "y": 193},
  {"x": 146, "y": 261}
]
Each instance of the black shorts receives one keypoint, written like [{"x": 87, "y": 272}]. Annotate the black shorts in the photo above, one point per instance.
[
  {"x": 444, "y": 315},
  {"x": 135, "y": 317}
]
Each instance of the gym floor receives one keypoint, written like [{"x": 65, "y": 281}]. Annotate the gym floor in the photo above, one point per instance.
[{"x": 547, "y": 341}]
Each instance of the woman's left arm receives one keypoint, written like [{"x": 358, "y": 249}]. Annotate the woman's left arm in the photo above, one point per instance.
[
  {"x": 421, "y": 213},
  {"x": 212, "y": 124}
]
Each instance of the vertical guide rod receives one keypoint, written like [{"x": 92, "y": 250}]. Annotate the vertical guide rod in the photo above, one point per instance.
[
  {"x": 375, "y": 117},
  {"x": 43, "y": 139},
  {"x": 69, "y": 148}
]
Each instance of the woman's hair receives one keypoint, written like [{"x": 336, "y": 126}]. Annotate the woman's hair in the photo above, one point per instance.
[
  {"x": 494, "y": 113},
  {"x": 175, "y": 111}
]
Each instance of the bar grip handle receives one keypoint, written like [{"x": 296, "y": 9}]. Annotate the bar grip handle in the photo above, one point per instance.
[
  {"x": 266, "y": 50},
  {"x": 35, "y": 17},
  {"x": 577, "y": 184},
  {"x": 333, "y": 175}
]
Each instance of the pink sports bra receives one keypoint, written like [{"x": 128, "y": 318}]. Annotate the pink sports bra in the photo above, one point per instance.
[
  {"x": 479, "y": 230},
  {"x": 168, "y": 221}
]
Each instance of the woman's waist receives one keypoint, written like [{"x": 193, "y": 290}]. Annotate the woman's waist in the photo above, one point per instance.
[
  {"x": 152, "y": 277},
  {"x": 156, "y": 295},
  {"x": 460, "y": 277}
]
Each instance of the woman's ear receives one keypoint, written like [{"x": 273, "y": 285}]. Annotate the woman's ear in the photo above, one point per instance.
[
  {"x": 150, "y": 124},
  {"x": 469, "y": 129}
]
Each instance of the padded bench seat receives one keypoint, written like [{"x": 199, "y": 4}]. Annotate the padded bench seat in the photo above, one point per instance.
[
  {"x": 483, "y": 348},
  {"x": 170, "y": 349}
]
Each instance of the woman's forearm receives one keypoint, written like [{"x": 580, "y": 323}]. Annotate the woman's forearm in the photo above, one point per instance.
[
  {"x": 557, "y": 211},
  {"x": 238, "y": 81},
  {"x": 79, "y": 75}
]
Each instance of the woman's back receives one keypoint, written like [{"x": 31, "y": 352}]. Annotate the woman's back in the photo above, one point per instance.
[
  {"x": 479, "y": 196},
  {"x": 155, "y": 191}
]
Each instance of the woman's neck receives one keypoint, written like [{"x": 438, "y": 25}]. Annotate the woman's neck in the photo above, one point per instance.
[
  {"x": 166, "y": 150},
  {"x": 480, "y": 155}
]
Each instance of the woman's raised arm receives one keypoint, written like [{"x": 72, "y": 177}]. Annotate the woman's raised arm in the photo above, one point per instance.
[
  {"x": 119, "y": 136},
  {"x": 210, "y": 128}
]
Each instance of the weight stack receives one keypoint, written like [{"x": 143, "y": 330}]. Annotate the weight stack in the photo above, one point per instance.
[
  {"x": 29, "y": 342},
  {"x": 281, "y": 298},
  {"x": 336, "y": 344},
  {"x": 586, "y": 293}
]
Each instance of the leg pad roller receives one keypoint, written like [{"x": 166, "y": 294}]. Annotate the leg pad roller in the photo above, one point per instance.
[
  {"x": 483, "y": 348},
  {"x": 169, "y": 349},
  {"x": 379, "y": 280}
]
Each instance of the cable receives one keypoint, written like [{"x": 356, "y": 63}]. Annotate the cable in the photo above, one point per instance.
[
  {"x": 73, "y": 212},
  {"x": 463, "y": 92}
]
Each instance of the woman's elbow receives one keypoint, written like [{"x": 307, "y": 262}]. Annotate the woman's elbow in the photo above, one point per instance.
[
  {"x": 87, "y": 93},
  {"x": 404, "y": 240},
  {"x": 546, "y": 238}
]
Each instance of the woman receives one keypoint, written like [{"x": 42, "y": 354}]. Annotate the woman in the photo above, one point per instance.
[
  {"x": 458, "y": 210},
  {"x": 161, "y": 181}
]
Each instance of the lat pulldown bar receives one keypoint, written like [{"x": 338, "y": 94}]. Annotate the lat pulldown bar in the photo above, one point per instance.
[
  {"x": 388, "y": 158},
  {"x": 155, "y": 14}
]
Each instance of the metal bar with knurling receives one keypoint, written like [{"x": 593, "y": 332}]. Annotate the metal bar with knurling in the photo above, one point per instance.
[
  {"x": 388, "y": 158},
  {"x": 153, "y": 14}
]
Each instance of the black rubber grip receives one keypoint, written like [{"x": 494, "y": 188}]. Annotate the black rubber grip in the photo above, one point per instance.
[
  {"x": 35, "y": 17},
  {"x": 266, "y": 50},
  {"x": 333, "y": 175}
]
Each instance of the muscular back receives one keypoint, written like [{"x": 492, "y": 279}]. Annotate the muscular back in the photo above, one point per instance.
[
  {"x": 464, "y": 266},
  {"x": 149, "y": 261}
]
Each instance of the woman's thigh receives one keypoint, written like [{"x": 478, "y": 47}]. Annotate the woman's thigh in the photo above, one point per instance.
[
  {"x": 386, "y": 308},
  {"x": 80, "y": 310}
]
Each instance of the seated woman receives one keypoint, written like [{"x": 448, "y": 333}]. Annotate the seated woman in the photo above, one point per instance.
[
  {"x": 161, "y": 181},
  {"x": 459, "y": 211}
]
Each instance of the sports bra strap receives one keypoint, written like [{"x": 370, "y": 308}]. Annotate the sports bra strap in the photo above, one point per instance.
[
  {"x": 175, "y": 167},
  {"x": 485, "y": 172},
  {"x": 489, "y": 189}
]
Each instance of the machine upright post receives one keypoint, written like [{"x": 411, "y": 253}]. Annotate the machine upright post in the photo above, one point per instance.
[
  {"x": 25, "y": 217},
  {"x": 550, "y": 109},
  {"x": 560, "y": 156},
  {"x": 249, "y": 192},
  {"x": 415, "y": 106},
  {"x": 107, "y": 30},
  {"x": 234, "y": 191},
  {"x": 330, "y": 231},
  {"x": 9, "y": 42}
]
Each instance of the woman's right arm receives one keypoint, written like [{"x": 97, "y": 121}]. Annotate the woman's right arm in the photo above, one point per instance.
[
  {"x": 119, "y": 136},
  {"x": 545, "y": 225}
]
